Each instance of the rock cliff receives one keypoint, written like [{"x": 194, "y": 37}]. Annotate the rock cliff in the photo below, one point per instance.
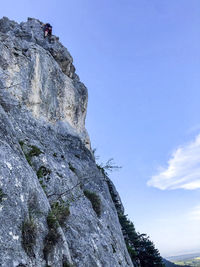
[{"x": 55, "y": 204}]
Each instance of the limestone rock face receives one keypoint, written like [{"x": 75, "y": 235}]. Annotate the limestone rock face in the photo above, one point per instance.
[
  {"x": 55, "y": 205},
  {"x": 39, "y": 74}
]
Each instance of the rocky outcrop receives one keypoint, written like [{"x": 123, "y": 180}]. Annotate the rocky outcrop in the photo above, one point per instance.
[{"x": 55, "y": 204}]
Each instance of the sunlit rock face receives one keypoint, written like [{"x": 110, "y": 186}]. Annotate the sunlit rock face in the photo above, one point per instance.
[{"x": 55, "y": 205}]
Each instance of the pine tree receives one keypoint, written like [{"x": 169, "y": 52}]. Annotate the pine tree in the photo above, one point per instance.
[{"x": 141, "y": 249}]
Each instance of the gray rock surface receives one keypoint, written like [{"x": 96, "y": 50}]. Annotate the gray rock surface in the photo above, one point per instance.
[{"x": 46, "y": 162}]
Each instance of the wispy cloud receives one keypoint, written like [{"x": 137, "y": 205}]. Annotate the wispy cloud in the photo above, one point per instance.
[{"x": 183, "y": 170}]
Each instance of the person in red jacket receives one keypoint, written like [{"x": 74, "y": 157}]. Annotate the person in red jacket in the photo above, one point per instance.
[{"x": 47, "y": 30}]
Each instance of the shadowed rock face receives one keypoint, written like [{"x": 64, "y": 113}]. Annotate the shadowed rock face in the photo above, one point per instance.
[{"x": 46, "y": 162}]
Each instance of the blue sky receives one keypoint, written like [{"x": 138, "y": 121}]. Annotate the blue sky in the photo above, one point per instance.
[{"x": 140, "y": 61}]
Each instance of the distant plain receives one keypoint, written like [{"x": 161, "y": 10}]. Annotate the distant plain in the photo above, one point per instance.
[{"x": 192, "y": 260}]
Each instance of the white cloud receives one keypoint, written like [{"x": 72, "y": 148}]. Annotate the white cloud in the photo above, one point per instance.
[{"x": 183, "y": 169}]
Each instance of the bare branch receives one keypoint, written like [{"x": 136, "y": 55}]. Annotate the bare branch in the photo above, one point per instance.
[
  {"x": 86, "y": 178},
  {"x": 110, "y": 165}
]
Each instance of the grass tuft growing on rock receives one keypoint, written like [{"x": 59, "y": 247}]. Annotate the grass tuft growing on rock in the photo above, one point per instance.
[
  {"x": 2, "y": 195},
  {"x": 21, "y": 143},
  {"x": 29, "y": 234},
  {"x": 72, "y": 168},
  {"x": 43, "y": 171},
  {"x": 67, "y": 264},
  {"x": 95, "y": 201},
  {"x": 34, "y": 151},
  {"x": 56, "y": 216},
  {"x": 52, "y": 220},
  {"x": 60, "y": 211}
]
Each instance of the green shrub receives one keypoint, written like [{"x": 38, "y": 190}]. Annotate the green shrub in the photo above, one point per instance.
[
  {"x": 29, "y": 234},
  {"x": 95, "y": 201},
  {"x": 67, "y": 264},
  {"x": 58, "y": 214},
  {"x": 52, "y": 220},
  {"x": 60, "y": 211},
  {"x": 28, "y": 158},
  {"x": 72, "y": 168},
  {"x": 21, "y": 143},
  {"x": 43, "y": 171},
  {"x": 43, "y": 185},
  {"x": 34, "y": 151}
]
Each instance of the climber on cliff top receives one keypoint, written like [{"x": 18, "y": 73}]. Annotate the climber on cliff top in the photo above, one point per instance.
[{"x": 47, "y": 30}]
